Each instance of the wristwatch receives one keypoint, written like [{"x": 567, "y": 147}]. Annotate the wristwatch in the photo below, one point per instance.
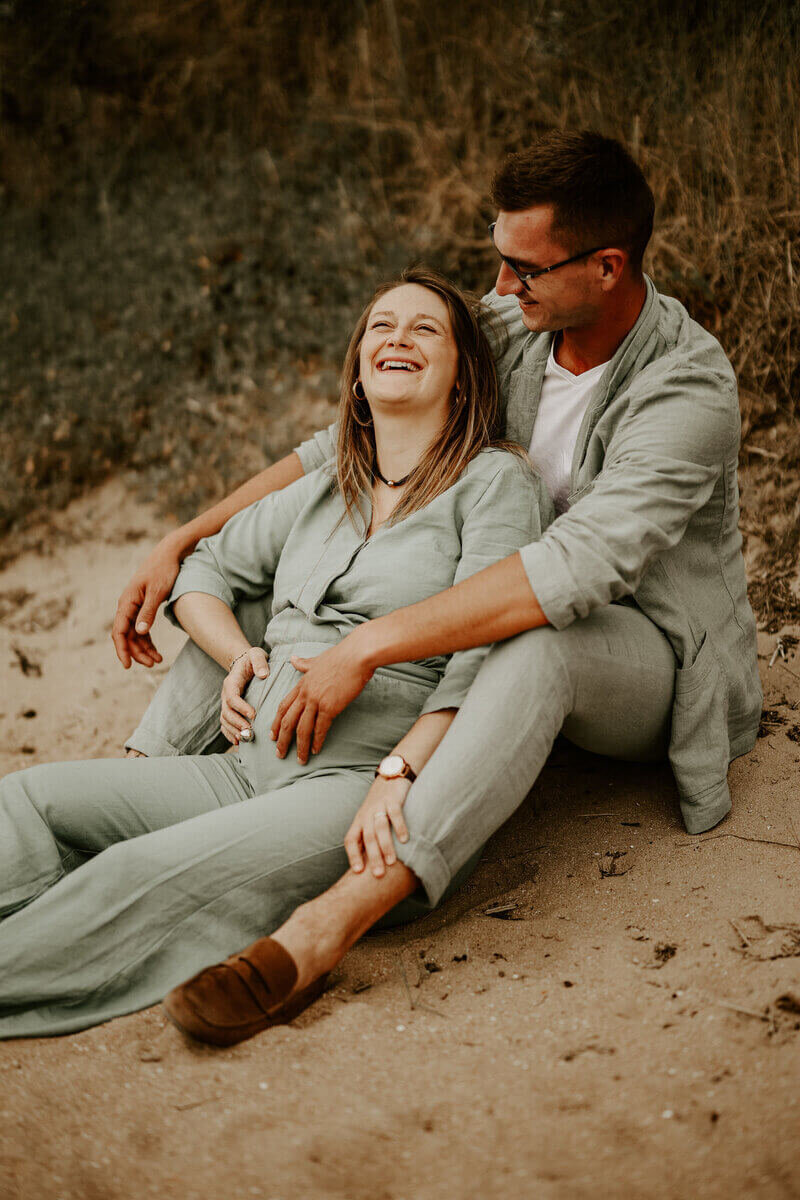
[{"x": 394, "y": 766}]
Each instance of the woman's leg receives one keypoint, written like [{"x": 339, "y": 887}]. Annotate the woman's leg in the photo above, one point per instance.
[
  {"x": 145, "y": 914},
  {"x": 56, "y": 816},
  {"x": 183, "y": 716}
]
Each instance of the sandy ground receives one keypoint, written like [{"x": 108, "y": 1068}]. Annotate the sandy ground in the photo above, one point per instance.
[{"x": 630, "y": 1027}]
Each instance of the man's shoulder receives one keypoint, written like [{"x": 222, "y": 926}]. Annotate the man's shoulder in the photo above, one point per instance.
[
  {"x": 503, "y": 325},
  {"x": 685, "y": 350}
]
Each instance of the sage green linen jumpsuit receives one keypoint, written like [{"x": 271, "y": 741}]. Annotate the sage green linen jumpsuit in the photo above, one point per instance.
[{"x": 121, "y": 878}]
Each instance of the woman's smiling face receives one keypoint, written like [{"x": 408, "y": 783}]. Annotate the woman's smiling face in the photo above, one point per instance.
[{"x": 408, "y": 353}]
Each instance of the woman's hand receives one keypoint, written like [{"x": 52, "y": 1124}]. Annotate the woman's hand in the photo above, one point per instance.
[
  {"x": 330, "y": 682},
  {"x": 370, "y": 834},
  {"x": 138, "y": 604},
  {"x": 251, "y": 663}
]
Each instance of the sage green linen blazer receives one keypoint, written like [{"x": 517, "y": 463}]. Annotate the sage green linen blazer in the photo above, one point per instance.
[
  {"x": 327, "y": 577},
  {"x": 653, "y": 516}
]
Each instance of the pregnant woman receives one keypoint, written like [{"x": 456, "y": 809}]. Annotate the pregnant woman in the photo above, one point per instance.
[{"x": 119, "y": 878}]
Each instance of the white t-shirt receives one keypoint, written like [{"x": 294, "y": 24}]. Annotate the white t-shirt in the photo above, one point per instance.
[{"x": 564, "y": 400}]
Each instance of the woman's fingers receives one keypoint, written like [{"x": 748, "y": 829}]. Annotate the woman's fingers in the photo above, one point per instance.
[
  {"x": 373, "y": 850},
  {"x": 383, "y": 836},
  {"x": 352, "y": 845},
  {"x": 230, "y": 730},
  {"x": 395, "y": 810},
  {"x": 240, "y": 705},
  {"x": 259, "y": 662}
]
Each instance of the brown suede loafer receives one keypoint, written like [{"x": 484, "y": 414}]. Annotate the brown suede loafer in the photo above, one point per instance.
[{"x": 235, "y": 999}]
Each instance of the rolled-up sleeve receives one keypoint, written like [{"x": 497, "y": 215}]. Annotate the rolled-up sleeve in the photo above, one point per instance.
[
  {"x": 240, "y": 561},
  {"x": 511, "y": 512},
  {"x": 318, "y": 449},
  {"x": 660, "y": 468}
]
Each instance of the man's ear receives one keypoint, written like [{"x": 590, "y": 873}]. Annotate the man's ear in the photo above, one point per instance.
[{"x": 612, "y": 263}]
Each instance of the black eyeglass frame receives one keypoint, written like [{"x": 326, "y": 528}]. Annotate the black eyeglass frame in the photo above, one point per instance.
[{"x": 525, "y": 279}]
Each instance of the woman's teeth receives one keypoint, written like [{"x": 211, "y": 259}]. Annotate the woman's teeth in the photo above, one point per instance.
[{"x": 397, "y": 365}]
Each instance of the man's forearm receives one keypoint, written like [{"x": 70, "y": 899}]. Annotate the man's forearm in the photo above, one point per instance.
[
  {"x": 272, "y": 479},
  {"x": 491, "y": 605}
]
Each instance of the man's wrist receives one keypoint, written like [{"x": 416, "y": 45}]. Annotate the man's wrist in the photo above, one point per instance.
[
  {"x": 180, "y": 542},
  {"x": 367, "y": 645}
]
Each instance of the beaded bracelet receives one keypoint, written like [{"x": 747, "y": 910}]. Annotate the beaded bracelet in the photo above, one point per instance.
[{"x": 238, "y": 656}]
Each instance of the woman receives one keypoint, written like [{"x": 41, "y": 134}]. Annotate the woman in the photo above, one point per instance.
[{"x": 119, "y": 878}]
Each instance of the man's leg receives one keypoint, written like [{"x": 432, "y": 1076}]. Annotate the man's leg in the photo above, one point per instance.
[
  {"x": 183, "y": 716},
  {"x": 605, "y": 682}
]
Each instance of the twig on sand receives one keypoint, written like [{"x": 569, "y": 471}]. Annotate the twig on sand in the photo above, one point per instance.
[
  {"x": 415, "y": 1004},
  {"x": 747, "y": 1012},
  {"x": 405, "y": 984},
  {"x": 745, "y": 940},
  {"x": 194, "y": 1103},
  {"x": 742, "y": 838}
]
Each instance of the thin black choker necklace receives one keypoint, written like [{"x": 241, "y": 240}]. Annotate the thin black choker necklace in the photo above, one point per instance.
[{"x": 389, "y": 482}]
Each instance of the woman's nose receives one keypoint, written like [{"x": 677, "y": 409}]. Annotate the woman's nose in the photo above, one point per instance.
[{"x": 399, "y": 337}]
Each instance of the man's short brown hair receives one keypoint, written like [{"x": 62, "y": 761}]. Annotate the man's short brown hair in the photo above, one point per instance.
[{"x": 598, "y": 193}]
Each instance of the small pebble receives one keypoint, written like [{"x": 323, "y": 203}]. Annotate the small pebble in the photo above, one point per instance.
[
  {"x": 400, "y": 1028},
  {"x": 667, "y": 1113}
]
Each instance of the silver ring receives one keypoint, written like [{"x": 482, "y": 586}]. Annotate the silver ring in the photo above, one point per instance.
[{"x": 246, "y": 735}]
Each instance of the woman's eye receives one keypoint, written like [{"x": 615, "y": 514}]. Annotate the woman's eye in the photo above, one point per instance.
[
  {"x": 378, "y": 324},
  {"x": 427, "y": 328}
]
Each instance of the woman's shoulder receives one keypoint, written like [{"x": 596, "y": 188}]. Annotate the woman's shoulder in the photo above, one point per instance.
[
  {"x": 507, "y": 481},
  {"x": 500, "y": 462}
]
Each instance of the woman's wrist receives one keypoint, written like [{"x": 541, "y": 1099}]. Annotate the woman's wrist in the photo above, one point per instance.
[{"x": 233, "y": 660}]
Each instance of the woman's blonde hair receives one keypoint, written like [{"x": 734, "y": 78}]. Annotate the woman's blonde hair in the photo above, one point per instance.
[{"x": 475, "y": 420}]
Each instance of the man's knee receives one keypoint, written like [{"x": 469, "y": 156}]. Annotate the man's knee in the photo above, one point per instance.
[{"x": 533, "y": 653}]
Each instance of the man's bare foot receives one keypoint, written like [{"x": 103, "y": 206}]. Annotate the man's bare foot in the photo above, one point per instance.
[
  {"x": 319, "y": 934},
  {"x": 135, "y": 754}
]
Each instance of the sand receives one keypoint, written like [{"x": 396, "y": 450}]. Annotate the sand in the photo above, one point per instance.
[{"x": 630, "y": 1027}]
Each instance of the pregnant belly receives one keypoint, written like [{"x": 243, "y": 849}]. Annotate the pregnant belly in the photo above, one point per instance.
[{"x": 361, "y": 735}]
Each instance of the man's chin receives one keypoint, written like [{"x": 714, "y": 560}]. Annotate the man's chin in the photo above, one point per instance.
[{"x": 534, "y": 318}]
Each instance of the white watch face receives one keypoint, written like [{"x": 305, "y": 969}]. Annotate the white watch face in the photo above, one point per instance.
[{"x": 391, "y": 766}]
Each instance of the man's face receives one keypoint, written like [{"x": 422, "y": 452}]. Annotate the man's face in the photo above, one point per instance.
[{"x": 566, "y": 299}]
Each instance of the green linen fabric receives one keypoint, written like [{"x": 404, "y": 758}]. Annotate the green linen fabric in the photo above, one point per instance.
[
  {"x": 327, "y": 577},
  {"x": 653, "y": 519}
]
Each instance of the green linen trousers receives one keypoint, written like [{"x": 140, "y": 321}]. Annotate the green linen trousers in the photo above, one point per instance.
[{"x": 121, "y": 878}]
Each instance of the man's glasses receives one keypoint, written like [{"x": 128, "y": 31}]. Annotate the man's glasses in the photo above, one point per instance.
[{"x": 529, "y": 275}]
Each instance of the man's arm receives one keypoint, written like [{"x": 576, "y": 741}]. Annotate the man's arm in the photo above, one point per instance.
[
  {"x": 152, "y": 583},
  {"x": 660, "y": 468},
  {"x": 490, "y": 606}
]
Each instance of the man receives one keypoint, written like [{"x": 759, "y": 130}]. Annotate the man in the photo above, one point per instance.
[{"x": 626, "y": 627}]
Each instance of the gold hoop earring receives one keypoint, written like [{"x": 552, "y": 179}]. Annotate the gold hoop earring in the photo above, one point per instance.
[{"x": 358, "y": 391}]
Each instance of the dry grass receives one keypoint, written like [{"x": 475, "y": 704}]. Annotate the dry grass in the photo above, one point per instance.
[{"x": 303, "y": 152}]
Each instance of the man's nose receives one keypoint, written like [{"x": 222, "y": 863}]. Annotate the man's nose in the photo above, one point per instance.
[{"x": 508, "y": 284}]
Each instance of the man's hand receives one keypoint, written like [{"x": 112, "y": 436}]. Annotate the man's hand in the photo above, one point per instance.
[
  {"x": 138, "y": 604},
  {"x": 234, "y": 708},
  {"x": 370, "y": 834},
  {"x": 331, "y": 681}
]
